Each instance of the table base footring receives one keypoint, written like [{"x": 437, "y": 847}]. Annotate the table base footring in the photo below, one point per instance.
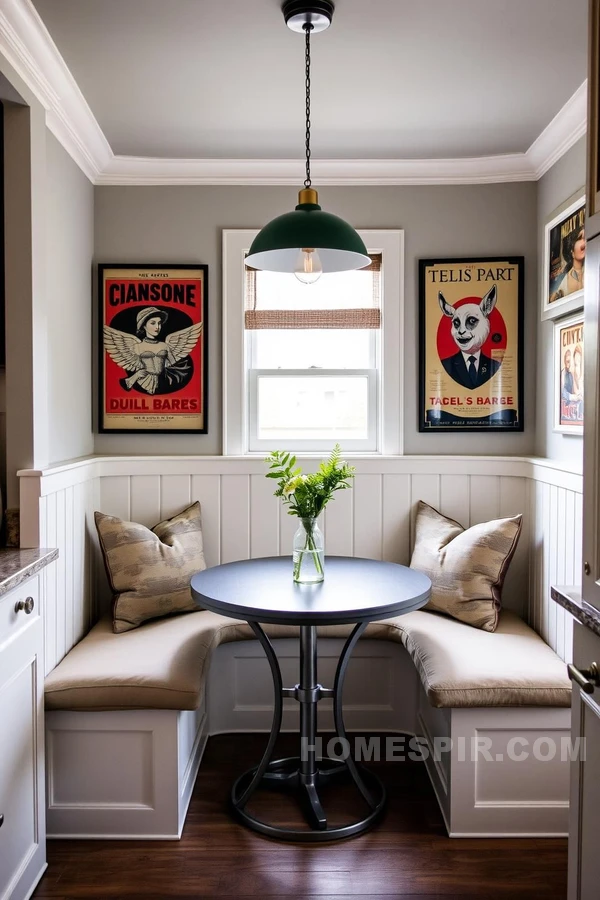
[{"x": 285, "y": 774}]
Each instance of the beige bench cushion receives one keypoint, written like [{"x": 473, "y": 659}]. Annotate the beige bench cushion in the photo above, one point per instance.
[
  {"x": 462, "y": 666},
  {"x": 160, "y": 665},
  {"x": 163, "y": 664}
]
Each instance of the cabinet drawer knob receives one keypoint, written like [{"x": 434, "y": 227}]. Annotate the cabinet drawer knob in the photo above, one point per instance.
[
  {"x": 587, "y": 568},
  {"x": 587, "y": 679},
  {"x": 26, "y": 605},
  {"x": 1, "y": 820}
]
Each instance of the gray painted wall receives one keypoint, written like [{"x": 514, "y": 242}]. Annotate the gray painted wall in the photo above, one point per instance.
[
  {"x": 70, "y": 247},
  {"x": 49, "y": 241},
  {"x": 25, "y": 281},
  {"x": 184, "y": 224},
  {"x": 558, "y": 185}
]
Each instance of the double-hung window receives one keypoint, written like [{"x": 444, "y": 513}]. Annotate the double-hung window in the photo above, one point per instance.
[
  {"x": 313, "y": 358},
  {"x": 311, "y": 370}
]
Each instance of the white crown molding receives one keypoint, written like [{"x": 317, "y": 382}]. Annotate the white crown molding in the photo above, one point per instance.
[
  {"x": 565, "y": 129},
  {"x": 29, "y": 48},
  {"x": 483, "y": 170}
]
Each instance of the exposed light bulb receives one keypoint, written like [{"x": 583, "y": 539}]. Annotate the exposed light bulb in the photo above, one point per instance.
[{"x": 308, "y": 268}]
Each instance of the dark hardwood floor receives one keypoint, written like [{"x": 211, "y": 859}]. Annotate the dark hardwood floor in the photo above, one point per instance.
[{"x": 407, "y": 855}]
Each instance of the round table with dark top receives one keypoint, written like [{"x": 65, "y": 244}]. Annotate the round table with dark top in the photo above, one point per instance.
[{"x": 355, "y": 591}]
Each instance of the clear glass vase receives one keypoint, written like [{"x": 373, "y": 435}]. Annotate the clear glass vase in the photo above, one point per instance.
[{"x": 309, "y": 553}]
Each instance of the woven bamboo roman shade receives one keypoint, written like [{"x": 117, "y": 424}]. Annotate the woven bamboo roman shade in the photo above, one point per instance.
[{"x": 259, "y": 315}]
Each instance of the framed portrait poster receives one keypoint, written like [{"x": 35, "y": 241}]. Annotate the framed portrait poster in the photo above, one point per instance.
[
  {"x": 568, "y": 375},
  {"x": 564, "y": 262},
  {"x": 471, "y": 344},
  {"x": 153, "y": 348}
]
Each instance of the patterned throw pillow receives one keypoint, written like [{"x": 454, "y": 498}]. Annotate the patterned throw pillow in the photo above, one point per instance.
[
  {"x": 467, "y": 567},
  {"x": 149, "y": 571}
]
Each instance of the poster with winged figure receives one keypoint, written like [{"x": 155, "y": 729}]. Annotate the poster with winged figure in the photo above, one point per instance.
[
  {"x": 471, "y": 344},
  {"x": 153, "y": 340}
]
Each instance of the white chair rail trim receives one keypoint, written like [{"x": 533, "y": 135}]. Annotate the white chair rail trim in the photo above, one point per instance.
[{"x": 54, "y": 476}]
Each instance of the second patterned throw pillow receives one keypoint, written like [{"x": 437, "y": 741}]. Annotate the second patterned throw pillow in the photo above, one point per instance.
[{"x": 467, "y": 567}]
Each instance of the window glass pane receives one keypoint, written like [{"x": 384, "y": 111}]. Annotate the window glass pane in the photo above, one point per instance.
[
  {"x": 334, "y": 290},
  {"x": 322, "y": 348},
  {"x": 298, "y": 408}
]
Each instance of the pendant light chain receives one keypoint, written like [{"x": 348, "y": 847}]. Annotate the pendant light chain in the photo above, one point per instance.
[{"x": 307, "y": 28}]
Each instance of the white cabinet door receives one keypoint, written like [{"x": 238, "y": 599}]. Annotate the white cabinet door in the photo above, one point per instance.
[
  {"x": 584, "y": 858},
  {"x": 22, "y": 833},
  {"x": 591, "y": 438}
]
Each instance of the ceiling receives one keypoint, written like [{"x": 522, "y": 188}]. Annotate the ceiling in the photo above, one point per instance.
[{"x": 391, "y": 78}]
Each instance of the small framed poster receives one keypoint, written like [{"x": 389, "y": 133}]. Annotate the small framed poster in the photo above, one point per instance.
[
  {"x": 153, "y": 348},
  {"x": 568, "y": 375},
  {"x": 564, "y": 261},
  {"x": 471, "y": 344}
]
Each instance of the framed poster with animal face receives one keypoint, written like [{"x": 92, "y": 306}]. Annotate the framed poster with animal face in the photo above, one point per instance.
[
  {"x": 568, "y": 375},
  {"x": 153, "y": 342},
  {"x": 564, "y": 261},
  {"x": 471, "y": 344}
]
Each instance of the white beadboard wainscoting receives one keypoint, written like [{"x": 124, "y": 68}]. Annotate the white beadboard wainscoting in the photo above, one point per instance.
[
  {"x": 242, "y": 519},
  {"x": 556, "y": 517}
]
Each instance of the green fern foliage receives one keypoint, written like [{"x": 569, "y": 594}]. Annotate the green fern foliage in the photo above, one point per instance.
[{"x": 307, "y": 495}]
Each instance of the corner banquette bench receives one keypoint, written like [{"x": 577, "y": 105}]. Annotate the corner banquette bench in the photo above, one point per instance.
[{"x": 128, "y": 716}]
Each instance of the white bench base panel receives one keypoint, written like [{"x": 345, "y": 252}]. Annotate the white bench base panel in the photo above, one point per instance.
[
  {"x": 129, "y": 774},
  {"x": 486, "y": 793},
  {"x": 380, "y": 693}
]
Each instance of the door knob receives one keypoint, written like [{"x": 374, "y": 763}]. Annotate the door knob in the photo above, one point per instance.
[{"x": 26, "y": 605}]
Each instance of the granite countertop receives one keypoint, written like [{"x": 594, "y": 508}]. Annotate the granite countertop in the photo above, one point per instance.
[
  {"x": 570, "y": 599},
  {"x": 17, "y": 565}
]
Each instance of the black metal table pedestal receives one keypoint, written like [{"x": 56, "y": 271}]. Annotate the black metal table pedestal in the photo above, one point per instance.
[
  {"x": 355, "y": 592},
  {"x": 305, "y": 774}
]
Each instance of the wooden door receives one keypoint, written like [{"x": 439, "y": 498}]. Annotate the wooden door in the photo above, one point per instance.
[{"x": 593, "y": 132}]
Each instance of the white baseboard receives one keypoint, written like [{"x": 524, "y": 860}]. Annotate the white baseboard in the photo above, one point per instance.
[{"x": 508, "y": 834}]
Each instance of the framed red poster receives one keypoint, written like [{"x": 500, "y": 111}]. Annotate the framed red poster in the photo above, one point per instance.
[
  {"x": 153, "y": 340},
  {"x": 471, "y": 344}
]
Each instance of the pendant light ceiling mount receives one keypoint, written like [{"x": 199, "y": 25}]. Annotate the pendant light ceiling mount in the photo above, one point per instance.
[
  {"x": 307, "y": 241},
  {"x": 300, "y": 13}
]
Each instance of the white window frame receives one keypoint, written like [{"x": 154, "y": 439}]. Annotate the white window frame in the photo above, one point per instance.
[
  {"x": 256, "y": 445},
  {"x": 390, "y": 395}
]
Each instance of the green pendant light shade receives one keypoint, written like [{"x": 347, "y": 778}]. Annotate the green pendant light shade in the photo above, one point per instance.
[
  {"x": 325, "y": 241},
  {"x": 276, "y": 247}
]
